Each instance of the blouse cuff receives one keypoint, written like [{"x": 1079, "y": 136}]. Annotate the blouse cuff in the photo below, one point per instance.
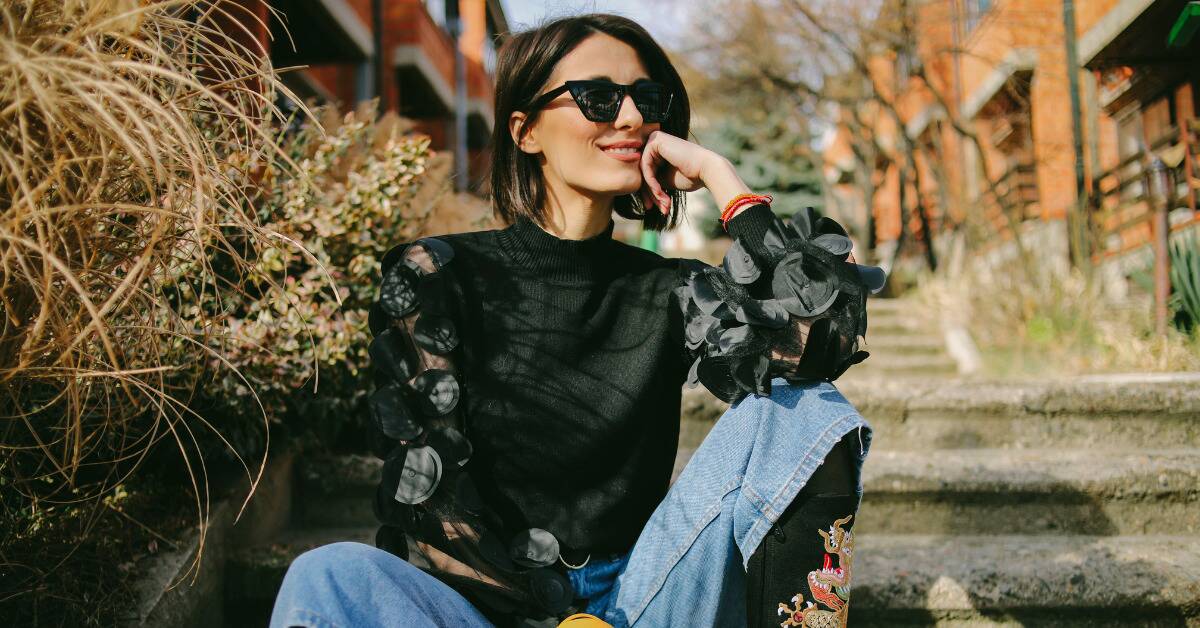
[{"x": 752, "y": 223}]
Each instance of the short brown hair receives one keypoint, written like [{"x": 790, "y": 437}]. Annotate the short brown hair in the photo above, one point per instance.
[{"x": 524, "y": 65}]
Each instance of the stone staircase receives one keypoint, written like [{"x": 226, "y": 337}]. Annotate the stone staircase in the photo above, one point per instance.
[
  {"x": 902, "y": 344},
  {"x": 331, "y": 502},
  {"x": 1046, "y": 503},
  {"x": 1067, "y": 503}
]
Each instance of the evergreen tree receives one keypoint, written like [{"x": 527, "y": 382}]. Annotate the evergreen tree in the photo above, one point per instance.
[{"x": 770, "y": 149}]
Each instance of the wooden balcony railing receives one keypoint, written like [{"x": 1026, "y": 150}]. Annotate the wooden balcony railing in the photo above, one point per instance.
[
  {"x": 1018, "y": 193},
  {"x": 1122, "y": 209}
]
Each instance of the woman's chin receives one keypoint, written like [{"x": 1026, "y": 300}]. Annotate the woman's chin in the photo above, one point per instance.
[
  {"x": 614, "y": 190},
  {"x": 618, "y": 184},
  {"x": 626, "y": 185}
]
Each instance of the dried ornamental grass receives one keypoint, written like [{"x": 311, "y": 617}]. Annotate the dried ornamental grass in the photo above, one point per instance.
[{"x": 127, "y": 130}]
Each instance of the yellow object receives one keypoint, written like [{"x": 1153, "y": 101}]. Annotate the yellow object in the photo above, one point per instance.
[{"x": 583, "y": 620}]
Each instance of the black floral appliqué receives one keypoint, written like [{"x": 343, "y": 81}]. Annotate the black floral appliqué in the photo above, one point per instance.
[{"x": 743, "y": 321}]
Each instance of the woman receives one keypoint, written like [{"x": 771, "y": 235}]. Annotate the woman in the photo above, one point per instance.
[{"x": 529, "y": 382}]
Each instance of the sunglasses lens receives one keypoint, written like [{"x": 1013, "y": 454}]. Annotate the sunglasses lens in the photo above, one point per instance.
[
  {"x": 653, "y": 101},
  {"x": 600, "y": 103}
]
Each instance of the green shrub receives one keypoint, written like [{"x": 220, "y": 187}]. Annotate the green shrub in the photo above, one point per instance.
[
  {"x": 1184, "y": 299},
  {"x": 362, "y": 186},
  {"x": 1185, "y": 281}
]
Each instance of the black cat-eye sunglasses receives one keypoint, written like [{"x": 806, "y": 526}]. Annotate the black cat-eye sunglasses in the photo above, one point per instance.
[{"x": 601, "y": 100}]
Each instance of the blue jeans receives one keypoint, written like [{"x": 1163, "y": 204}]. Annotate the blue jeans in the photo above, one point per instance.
[{"x": 688, "y": 566}]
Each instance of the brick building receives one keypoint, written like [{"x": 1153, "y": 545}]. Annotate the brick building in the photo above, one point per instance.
[
  {"x": 1146, "y": 105},
  {"x": 335, "y": 39},
  {"x": 999, "y": 68}
]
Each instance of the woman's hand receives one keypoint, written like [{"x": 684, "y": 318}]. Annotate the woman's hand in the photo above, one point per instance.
[{"x": 685, "y": 166}]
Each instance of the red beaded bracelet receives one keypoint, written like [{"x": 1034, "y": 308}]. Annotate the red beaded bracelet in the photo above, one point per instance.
[
  {"x": 734, "y": 203},
  {"x": 743, "y": 200},
  {"x": 740, "y": 201}
]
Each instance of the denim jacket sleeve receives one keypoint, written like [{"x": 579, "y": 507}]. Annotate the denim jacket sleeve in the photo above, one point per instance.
[{"x": 785, "y": 301}]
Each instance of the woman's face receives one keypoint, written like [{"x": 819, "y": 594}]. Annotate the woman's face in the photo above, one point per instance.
[{"x": 572, "y": 149}]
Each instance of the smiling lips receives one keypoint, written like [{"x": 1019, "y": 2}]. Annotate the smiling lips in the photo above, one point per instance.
[{"x": 624, "y": 151}]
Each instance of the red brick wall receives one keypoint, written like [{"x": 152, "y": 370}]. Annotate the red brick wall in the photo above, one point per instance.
[
  {"x": 1030, "y": 24},
  {"x": 406, "y": 22},
  {"x": 340, "y": 80}
]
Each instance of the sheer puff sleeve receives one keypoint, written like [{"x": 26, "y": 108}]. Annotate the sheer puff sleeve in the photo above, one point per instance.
[
  {"x": 430, "y": 510},
  {"x": 786, "y": 301}
]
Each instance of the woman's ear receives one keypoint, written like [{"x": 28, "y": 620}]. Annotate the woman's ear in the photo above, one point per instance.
[{"x": 520, "y": 135}]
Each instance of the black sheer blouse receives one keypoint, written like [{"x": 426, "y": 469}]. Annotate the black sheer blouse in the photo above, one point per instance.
[{"x": 786, "y": 302}]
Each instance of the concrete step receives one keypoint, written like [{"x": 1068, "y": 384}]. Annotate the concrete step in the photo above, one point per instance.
[
  {"x": 884, "y": 363},
  {"x": 184, "y": 585},
  {"x": 337, "y": 491},
  {"x": 904, "y": 344},
  {"x": 1070, "y": 581},
  {"x": 700, "y": 407},
  {"x": 253, "y": 575},
  {"x": 887, "y": 306},
  {"x": 1043, "y": 492},
  {"x": 894, "y": 316},
  {"x": 894, "y": 325},
  {"x": 1076, "y": 413},
  {"x": 682, "y": 456},
  {"x": 1007, "y": 491},
  {"x": 1084, "y": 412}
]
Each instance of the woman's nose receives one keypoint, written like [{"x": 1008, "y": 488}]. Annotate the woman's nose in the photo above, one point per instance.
[{"x": 628, "y": 115}]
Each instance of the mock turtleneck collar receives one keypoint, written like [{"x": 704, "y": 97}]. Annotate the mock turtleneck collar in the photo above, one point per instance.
[{"x": 555, "y": 258}]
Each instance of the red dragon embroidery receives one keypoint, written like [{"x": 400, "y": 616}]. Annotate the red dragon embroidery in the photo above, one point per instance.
[{"x": 828, "y": 586}]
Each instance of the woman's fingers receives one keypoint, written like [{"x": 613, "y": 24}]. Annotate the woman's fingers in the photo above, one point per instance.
[
  {"x": 649, "y": 164},
  {"x": 647, "y": 196},
  {"x": 653, "y": 160}
]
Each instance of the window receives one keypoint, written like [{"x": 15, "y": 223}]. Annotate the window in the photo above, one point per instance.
[
  {"x": 1158, "y": 121},
  {"x": 489, "y": 47},
  {"x": 1130, "y": 143},
  {"x": 974, "y": 11},
  {"x": 971, "y": 170},
  {"x": 437, "y": 10},
  {"x": 904, "y": 68}
]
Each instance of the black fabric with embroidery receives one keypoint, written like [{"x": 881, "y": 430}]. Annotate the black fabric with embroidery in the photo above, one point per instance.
[
  {"x": 528, "y": 387},
  {"x": 802, "y": 569}
]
